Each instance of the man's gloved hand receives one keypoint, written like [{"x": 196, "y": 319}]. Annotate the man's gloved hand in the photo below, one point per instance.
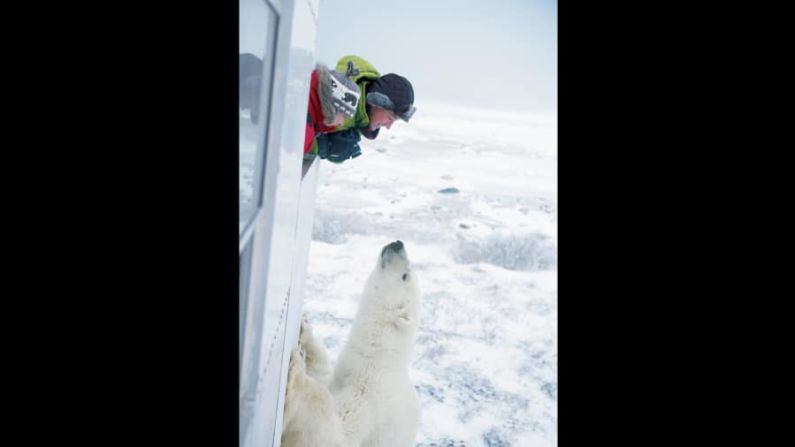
[{"x": 338, "y": 146}]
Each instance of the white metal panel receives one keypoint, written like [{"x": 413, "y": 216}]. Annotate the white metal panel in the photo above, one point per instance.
[
  {"x": 314, "y": 6},
  {"x": 281, "y": 240},
  {"x": 259, "y": 26},
  {"x": 304, "y": 27},
  {"x": 279, "y": 5},
  {"x": 283, "y": 193},
  {"x": 303, "y": 238}
]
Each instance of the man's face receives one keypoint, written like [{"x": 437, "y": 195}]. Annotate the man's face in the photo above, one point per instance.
[{"x": 381, "y": 118}]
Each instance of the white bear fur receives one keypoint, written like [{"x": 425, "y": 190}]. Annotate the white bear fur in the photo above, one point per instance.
[
  {"x": 310, "y": 416},
  {"x": 370, "y": 400}
]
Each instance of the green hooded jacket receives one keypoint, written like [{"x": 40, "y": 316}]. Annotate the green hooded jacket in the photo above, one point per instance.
[{"x": 366, "y": 74}]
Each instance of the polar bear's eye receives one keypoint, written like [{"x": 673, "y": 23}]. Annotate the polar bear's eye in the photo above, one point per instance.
[{"x": 405, "y": 276}]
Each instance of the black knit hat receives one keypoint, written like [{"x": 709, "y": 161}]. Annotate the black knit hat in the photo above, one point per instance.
[{"x": 392, "y": 92}]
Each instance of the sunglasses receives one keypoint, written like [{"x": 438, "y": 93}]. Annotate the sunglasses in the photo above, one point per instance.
[
  {"x": 405, "y": 116},
  {"x": 408, "y": 113}
]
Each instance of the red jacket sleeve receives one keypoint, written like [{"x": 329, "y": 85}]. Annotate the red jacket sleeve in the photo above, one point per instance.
[{"x": 309, "y": 137}]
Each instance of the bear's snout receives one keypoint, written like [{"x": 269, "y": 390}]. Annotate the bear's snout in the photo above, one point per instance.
[
  {"x": 395, "y": 246},
  {"x": 393, "y": 250}
]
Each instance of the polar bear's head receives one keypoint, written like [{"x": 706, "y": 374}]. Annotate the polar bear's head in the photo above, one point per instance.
[{"x": 392, "y": 282}]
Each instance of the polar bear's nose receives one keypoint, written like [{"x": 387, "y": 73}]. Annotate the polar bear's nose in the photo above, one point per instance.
[
  {"x": 395, "y": 247},
  {"x": 392, "y": 250}
]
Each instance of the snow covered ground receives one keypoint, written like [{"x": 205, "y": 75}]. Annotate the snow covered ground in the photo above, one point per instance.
[{"x": 473, "y": 195}]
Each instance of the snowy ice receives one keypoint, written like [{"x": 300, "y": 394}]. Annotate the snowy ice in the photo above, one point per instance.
[{"x": 485, "y": 361}]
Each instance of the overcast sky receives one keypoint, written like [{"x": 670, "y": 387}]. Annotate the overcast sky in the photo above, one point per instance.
[{"x": 492, "y": 53}]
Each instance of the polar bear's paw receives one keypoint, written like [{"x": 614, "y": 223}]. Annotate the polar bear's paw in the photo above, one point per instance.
[
  {"x": 315, "y": 356},
  {"x": 310, "y": 418},
  {"x": 296, "y": 377}
]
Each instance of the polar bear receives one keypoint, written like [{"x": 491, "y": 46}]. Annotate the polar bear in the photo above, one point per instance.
[
  {"x": 374, "y": 402},
  {"x": 375, "y": 398}
]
